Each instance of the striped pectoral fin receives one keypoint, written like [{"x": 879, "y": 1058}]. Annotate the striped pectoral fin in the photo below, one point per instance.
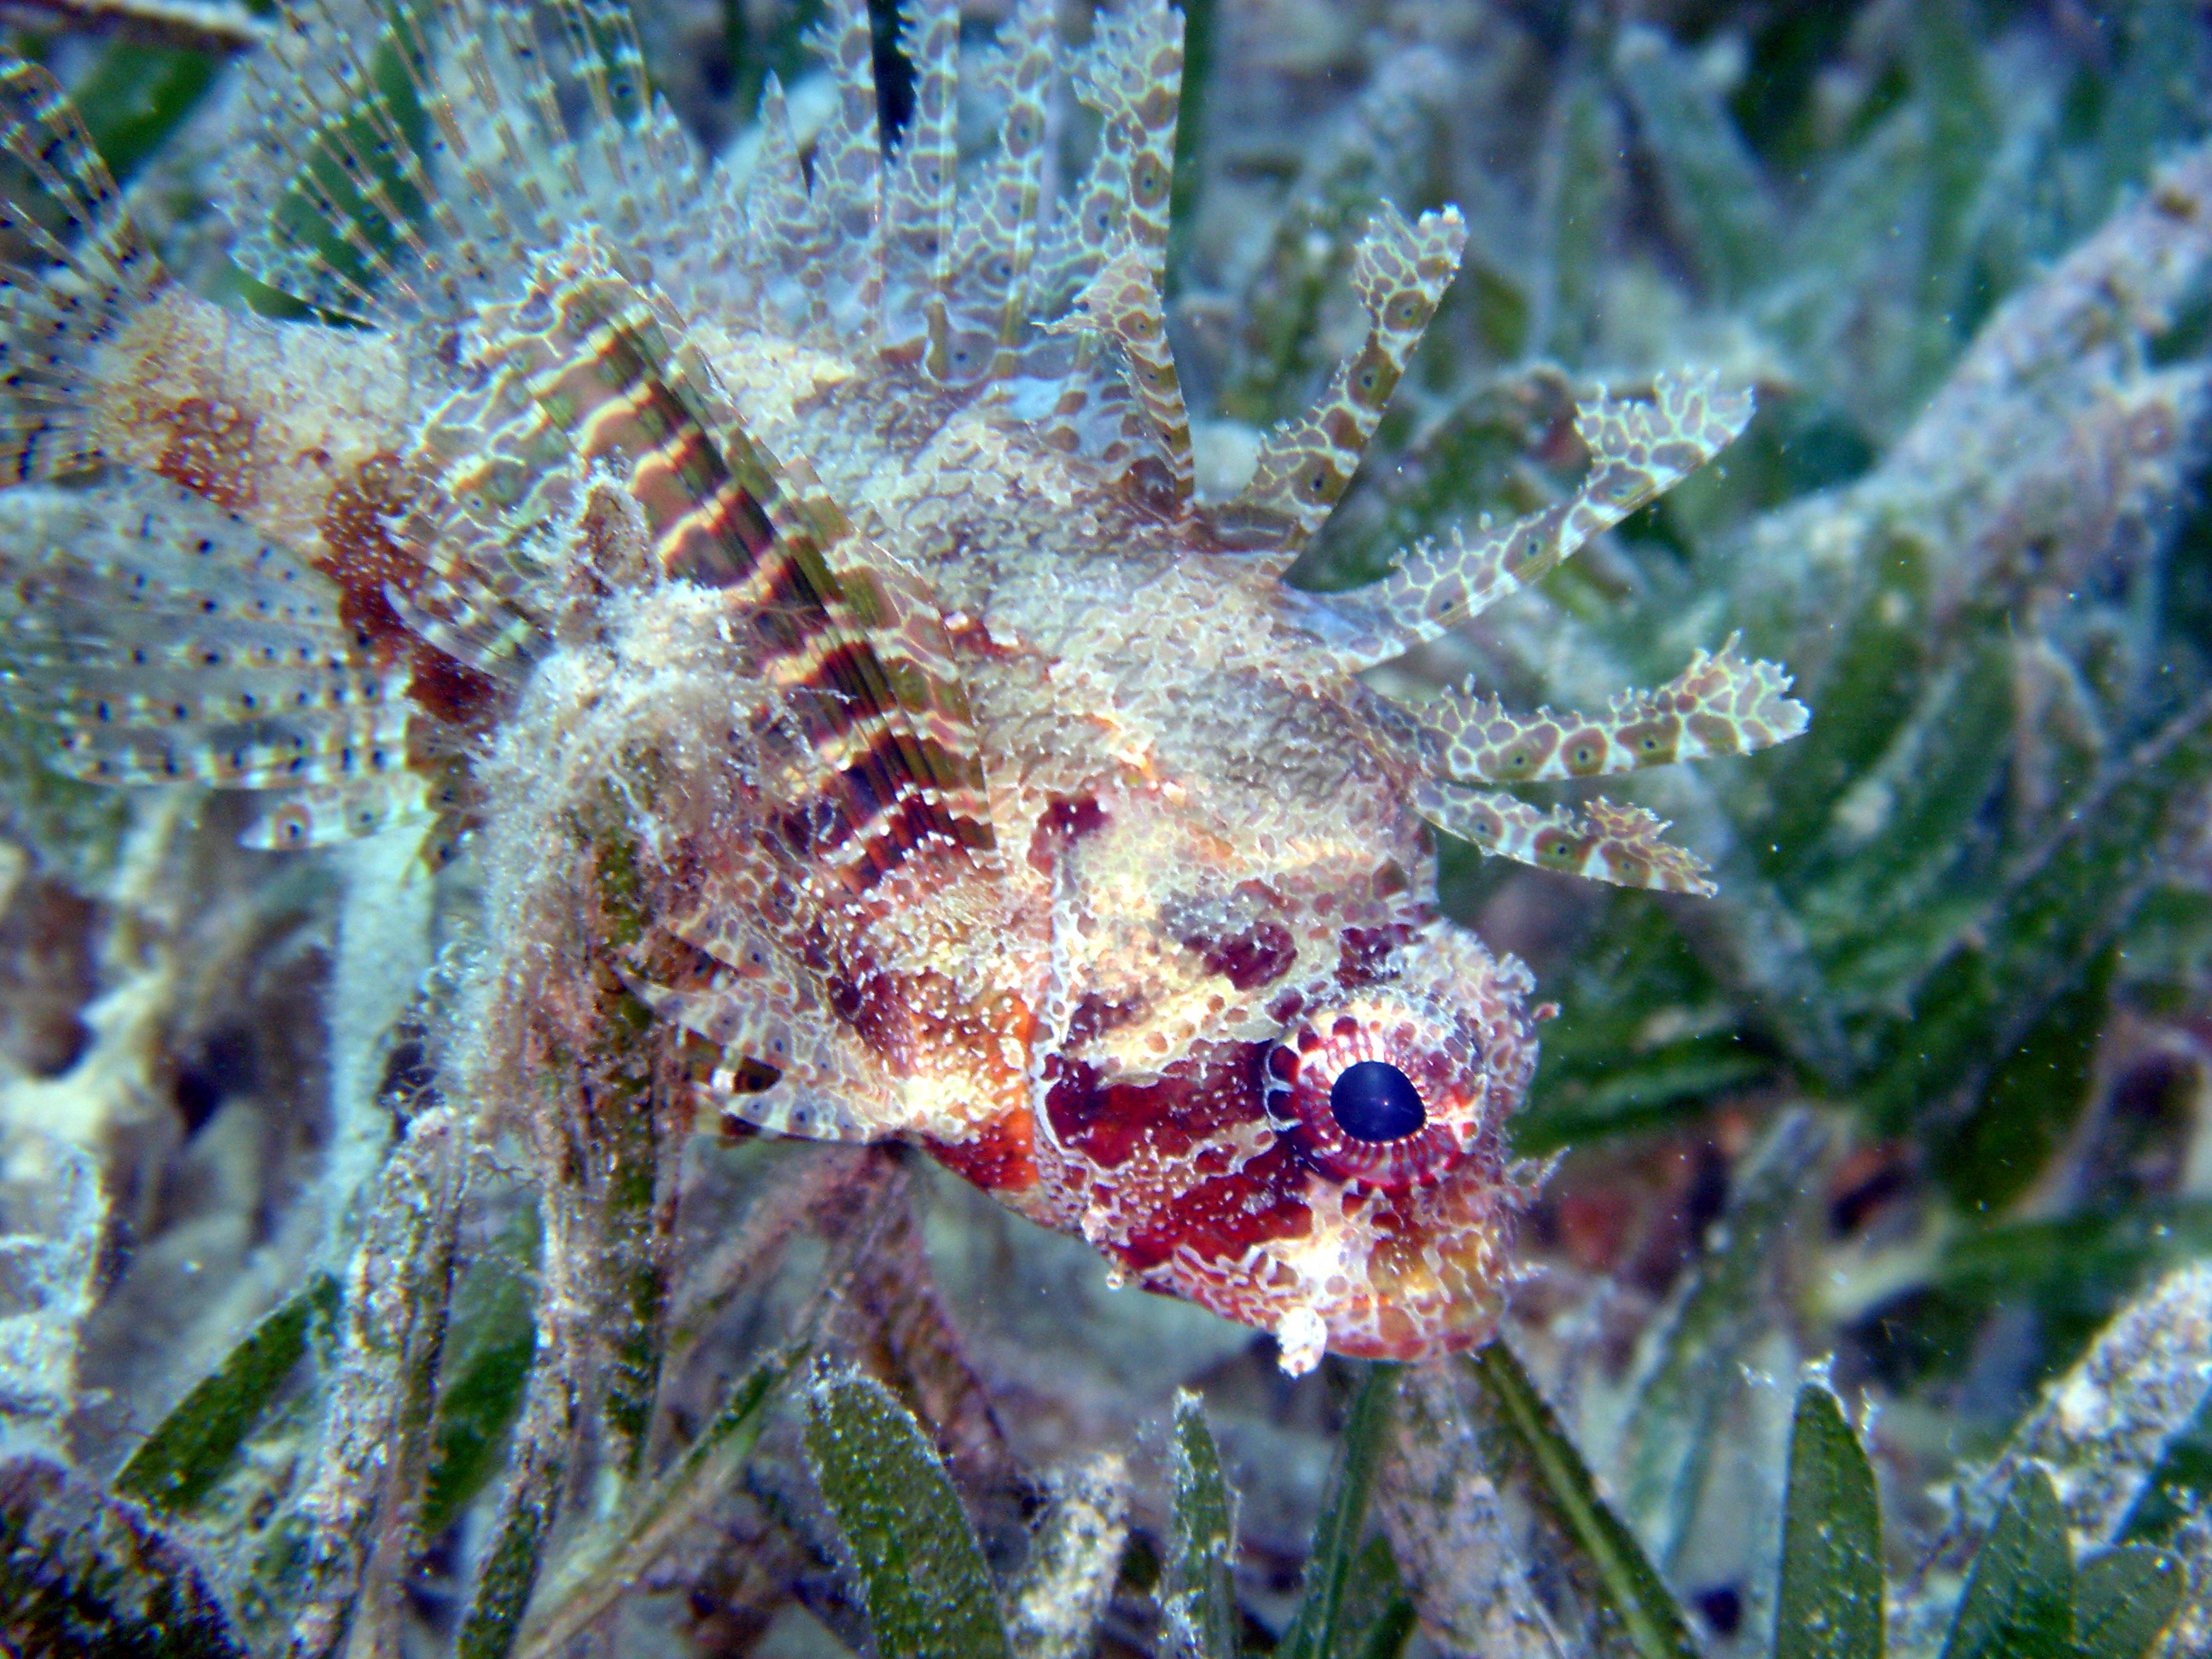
[
  {"x": 1638, "y": 451},
  {"x": 857, "y": 643},
  {"x": 1607, "y": 842},
  {"x": 589, "y": 369},
  {"x": 1719, "y": 705},
  {"x": 575, "y": 376},
  {"x": 780, "y": 1069},
  {"x": 1399, "y": 272},
  {"x": 851, "y": 640},
  {"x": 923, "y": 700},
  {"x": 459, "y": 615}
]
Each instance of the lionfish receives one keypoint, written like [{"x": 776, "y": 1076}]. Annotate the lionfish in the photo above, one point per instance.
[{"x": 993, "y": 790}]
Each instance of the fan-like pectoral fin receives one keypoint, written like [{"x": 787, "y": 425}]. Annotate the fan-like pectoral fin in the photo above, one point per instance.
[
  {"x": 1619, "y": 844},
  {"x": 1637, "y": 451},
  {"x": 150, "y": 637},
  {"x": 1719, "y": 705},
  {"x": 594, "y": 371},
  {"x": 1399, "y": 271},
  {"x": 397, "y": 159}
]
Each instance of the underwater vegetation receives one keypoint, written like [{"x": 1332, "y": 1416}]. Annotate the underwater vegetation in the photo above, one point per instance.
[{"x": 375, "y": 1281}]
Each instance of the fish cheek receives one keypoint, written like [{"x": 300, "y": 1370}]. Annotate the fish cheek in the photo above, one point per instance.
[
  {"x": 1000, "y": 1160},
  {"x": 1182, "y": 1180},
  {"x": 1217, "y": 1232}
]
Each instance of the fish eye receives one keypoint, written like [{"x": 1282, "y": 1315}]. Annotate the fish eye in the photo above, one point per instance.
[
  {"x": 1383, "y": 1091},
  {"x": 1372, "y": 1100}
]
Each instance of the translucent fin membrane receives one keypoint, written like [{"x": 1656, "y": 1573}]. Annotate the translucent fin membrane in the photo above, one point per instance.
[
  {"x": 165, "y": 643},
  {"x": 75, "y": 270},
  {"x": 921, "y": 202},
  {"x": 985, "y": 308},
  {"x": 324, "y": 816},
  {"x": 838, "y": 248},
  {"x": 845, "y": 286},
  {"x": 1123, "y": 304},
  {"x": 402, "y": 160},
  {"x": 1119, "y": 399}
]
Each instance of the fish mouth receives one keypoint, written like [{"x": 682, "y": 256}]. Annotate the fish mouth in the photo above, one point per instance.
[{"x": 1399, "y": 1284}]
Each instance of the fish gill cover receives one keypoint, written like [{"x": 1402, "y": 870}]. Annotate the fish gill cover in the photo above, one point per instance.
[{"x": 886, "y": 635}]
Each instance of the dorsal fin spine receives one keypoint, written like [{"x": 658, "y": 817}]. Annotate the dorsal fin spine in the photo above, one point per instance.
[
  {"x": 596, "y": 365},
  {"x": 1399, "y": 272},
  {"x": 1017, "y": 210},
  {"x": 921, "y": 202},
  {"x": 849, "y": 182}
]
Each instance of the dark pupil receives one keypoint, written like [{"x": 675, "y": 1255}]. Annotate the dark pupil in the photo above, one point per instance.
[{"x": 1374, "y": 1100}]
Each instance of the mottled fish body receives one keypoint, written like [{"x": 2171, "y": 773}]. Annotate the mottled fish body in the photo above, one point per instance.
[{"x": 990, "y": 789}]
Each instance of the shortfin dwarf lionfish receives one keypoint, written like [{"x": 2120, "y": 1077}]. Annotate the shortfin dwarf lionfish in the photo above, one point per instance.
[{"x": 999, "y": 793}]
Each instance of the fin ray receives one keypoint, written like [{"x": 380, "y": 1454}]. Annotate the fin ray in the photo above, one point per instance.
[
  {"x": 1638, "y": 451},
  {"x": 1399, "y": 272},
  {"x": 421, "y": 164},
  {"x": 1622, "y": 845},
  {"x": 74, "y": 269},
  {"x": 1719, "y": 705},
  {"x": 158, "y": 640},
  {"x": 922, "y": 193},
  {"x": 824, "y": 1085}
]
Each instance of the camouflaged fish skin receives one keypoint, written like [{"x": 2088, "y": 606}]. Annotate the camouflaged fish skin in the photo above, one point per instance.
[{"x": 1007, "y": 800}]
